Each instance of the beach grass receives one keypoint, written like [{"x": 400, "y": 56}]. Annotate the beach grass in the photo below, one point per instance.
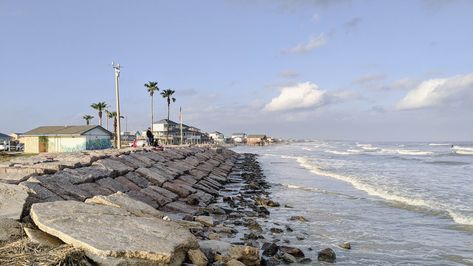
[{"x": 5, "y": 156}]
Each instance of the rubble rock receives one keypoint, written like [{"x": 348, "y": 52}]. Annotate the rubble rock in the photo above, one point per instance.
[
  {"x": 12, "y": 200},
  {"x": 197, "y": 257},
  {"x": 270, "y": 249},
  {"x": 296, "y": 252},
  {"x": 9, "y": 229},
  {"x": 345, "y": 245},
  {"x": 40, "y": 237},
  {"x": 234, "y": 262},
  {"x": 327, "y": 255},
  {"x": 205, "y": 220},
  {"x": 246, "y": 254}
]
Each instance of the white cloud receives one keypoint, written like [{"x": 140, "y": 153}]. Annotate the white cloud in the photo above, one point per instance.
[
  {"x": 301, "y": 96},
  {"x": 315, "y": 18},
  {"x": 314, "y": 42},
  {"x": 438, "y": 92}
]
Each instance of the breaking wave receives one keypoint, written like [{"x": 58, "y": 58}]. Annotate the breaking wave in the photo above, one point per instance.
[
  {"x": 385, "y": 194},
  {"x": 462, "y": 150},
  {"x": 338, "y": 152},
  {"x": 406, "y": 152},
  {"x": 367, "y": 147}
]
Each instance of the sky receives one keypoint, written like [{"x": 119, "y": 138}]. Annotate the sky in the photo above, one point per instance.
[{"x": 379, "y": 70}]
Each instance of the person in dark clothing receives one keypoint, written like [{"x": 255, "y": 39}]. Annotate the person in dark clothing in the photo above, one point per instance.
[{"x": 150, "y": 137}]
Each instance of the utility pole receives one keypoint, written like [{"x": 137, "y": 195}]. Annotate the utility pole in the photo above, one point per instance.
[
  {"x": 180, "y": 118},
  {"x": 117, "y": 74}
]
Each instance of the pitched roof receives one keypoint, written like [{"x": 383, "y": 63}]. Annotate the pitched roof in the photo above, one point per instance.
[
  {"x": 62, "y": 130},
  {"x": 4, "y": 136},
  {"x": 172, "y": 123},
  {"x": 165, "y": 121}
]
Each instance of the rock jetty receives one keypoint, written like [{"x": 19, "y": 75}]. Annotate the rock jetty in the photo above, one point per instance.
[{"x": 119, "y": 207}]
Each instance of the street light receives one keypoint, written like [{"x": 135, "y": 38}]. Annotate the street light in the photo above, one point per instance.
[{"x": 117, "y": 74}]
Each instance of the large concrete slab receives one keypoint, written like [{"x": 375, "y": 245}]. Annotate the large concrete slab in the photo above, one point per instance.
[
  {"x": 179, "y": 206},
  {"x": 156, "y": 196},
  {"x": 181, "y": 189},
  {"x": 14, "y": 177},
  {"x": 112, "y": 184},
  {"x": 40, "y": 192},
  {"x": 152, "y": 175},
  {"x": 123, "y": 201},
  {"x": 109, "y": 232},
  {"x": 138, "y": 179},
  {"x": 114, "y": 165},
  {"x": 144, "y": 159},
  {"x": 12, "y": 200}
]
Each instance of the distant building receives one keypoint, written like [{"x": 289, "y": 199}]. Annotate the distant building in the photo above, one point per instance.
[
  {"x": 239, "y": 137},
  {"x": 66, "y": 139},
  {"x": 256, "y": 140},
  {"x": 169, "y": 132},
  {"x": 217, "y": 137}
]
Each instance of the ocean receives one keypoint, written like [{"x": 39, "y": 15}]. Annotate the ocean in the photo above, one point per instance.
[{"x": 396, "y": 203}]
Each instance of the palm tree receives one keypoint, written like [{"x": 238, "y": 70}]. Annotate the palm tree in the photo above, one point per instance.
[
  {"x": 152, "y": 87},
  {"x": 114, "y": 116},
  {"x": 100, "y": 106},
  {"x": 167, "y": 94},
  {"x": 87, "y": 118},
  {"x": 107, "y": 116}
]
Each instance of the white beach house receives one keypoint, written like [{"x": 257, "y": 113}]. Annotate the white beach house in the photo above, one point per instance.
[
  {"x": 217, "y": 137},
  {"x": 169, "y": 132},
  {"x": 239, "y": 137}
]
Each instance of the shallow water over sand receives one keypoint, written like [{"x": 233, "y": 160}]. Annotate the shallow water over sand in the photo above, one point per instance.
[{"x": 397, "y": 203}]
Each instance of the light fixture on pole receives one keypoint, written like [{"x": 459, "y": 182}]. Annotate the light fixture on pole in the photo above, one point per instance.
[{"x": 116, "y": 67}]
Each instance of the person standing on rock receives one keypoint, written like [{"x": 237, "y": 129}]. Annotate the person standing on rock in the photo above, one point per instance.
[{"x": 150, "y": 137}]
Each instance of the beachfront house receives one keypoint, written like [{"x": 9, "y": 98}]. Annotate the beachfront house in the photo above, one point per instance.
[
  {"x": 217, "y": 137},
  {"x": 66, "y": 139},
  {"x": 239, "y": 138},
  {"x": 169, "y": 132},
  {"x": 259, "y": 140}
]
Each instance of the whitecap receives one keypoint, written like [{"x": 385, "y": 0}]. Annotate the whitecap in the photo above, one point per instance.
[
  {"x": 406, "y": 152},
  {"x": 337, "y": 152},
  {"x": 384, "y": 194},
  {"x": 462, "y": 150}
]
